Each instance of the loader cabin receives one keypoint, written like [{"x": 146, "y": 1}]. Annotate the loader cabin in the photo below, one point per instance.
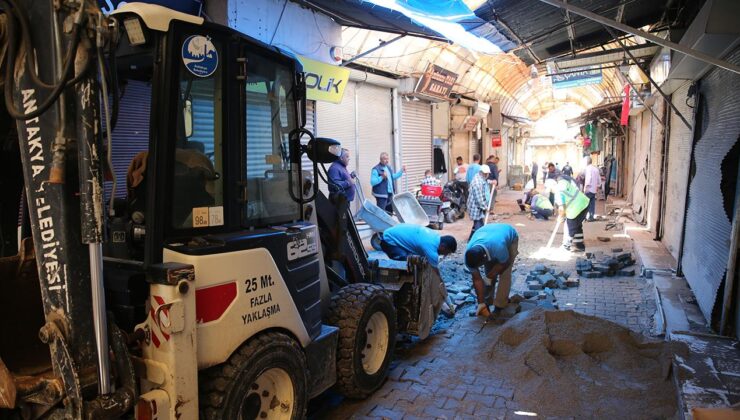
[{"x": 217, "y": 172}]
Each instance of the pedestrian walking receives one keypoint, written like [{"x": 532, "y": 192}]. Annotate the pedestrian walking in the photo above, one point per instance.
[
  {"x": 383, "y": 181},
  {"x": 567, "y": 169},
  {"x": 591, "y": 186},
  {"x": 473, "y": 169},
  {"x": 534, "y": 173},
  {"x": 477, "y": 200},
  {"x": 572, "y": 206},
  {"x": 494, "y": 248}
]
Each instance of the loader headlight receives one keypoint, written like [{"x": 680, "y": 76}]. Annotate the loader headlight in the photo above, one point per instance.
[
  {"x": 325, "y": 150},
  {"x": 134, "y": 31}
]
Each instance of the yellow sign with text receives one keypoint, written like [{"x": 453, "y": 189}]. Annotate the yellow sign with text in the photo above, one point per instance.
[{"x": 324, "y": 82}]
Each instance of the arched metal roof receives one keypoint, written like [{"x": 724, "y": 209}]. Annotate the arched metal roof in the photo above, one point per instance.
[{"x": 500, "y": 77}]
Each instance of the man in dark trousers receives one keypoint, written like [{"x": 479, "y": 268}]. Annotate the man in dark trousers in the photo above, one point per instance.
[
  {"x": 567, "y": 170},
  {"x": 494, "y": 248},
  {"x": 340, "y": 179},
  {"x": 383, "y": 181},
  {"x": 535, "y": 173}
]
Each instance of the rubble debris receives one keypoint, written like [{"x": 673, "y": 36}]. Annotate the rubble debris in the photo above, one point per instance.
[
  {"x": 563, "y": 361},
  {"x": 598, "y": 264},
  {"x": 534, "y": 285},
  {"x": 545, "y": 277}
]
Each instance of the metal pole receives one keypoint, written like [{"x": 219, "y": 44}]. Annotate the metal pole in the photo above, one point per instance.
[
  {"x": 99, "y": 316},
  {"x": 658, "y": 40},
  {"x": 381, "y": 45},
  {"x": 519, "y": 40},
  {"x": 652, "y": 82}
]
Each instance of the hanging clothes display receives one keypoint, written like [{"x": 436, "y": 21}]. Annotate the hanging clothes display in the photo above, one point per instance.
[{"x": 440, "y": 167}]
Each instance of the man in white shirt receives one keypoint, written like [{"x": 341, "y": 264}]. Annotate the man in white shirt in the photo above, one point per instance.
[{"x": 590, "y": 186}]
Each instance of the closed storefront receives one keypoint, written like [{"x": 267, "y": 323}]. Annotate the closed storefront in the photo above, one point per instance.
[
  {"x": 416, "y": 140},
  {"x": 461, "y": 139},
  {"x": 363, "y": 123},
  {"x": 712, "y": 188},
  {"x": 679, "y": 162}
]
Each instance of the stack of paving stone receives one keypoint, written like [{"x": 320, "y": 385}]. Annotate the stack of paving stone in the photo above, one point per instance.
[
  {"x": 600, "y": 264},
  {"x": 543, "y": 277}
]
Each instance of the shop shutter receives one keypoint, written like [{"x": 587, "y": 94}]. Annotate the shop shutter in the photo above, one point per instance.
[
  {"x": 679, "y": 163},
  {"x": 131, "y": 134},
  {"x": 416, "y": 140},
  {"x": 708, "y": 224},
  {"x": 259, "y": 134},
  {"x": 460, "y": 139},
  {"x": 375, "y": 127},
  {"x": 337, "y": 121}
]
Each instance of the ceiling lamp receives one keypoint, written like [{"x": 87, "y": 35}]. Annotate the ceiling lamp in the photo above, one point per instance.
[{"x": 624, "y": 68}]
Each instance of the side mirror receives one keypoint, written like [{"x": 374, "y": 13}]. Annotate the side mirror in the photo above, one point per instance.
[
  {"x": 323, "y": 150},
  {"x": 187, "y": 112}
]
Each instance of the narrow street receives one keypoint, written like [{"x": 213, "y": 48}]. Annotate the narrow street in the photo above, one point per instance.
[{"x": 451, "y": 375}]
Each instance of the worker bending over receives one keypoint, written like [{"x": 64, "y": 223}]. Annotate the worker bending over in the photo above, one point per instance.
[
  {"x": 573, "y": 206},
  {"x": 493, "y": 247},
  {"x": 405, "y": 239}
]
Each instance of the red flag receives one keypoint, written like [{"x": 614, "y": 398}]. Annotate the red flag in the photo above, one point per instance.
[{"x": 626, "y": 105}]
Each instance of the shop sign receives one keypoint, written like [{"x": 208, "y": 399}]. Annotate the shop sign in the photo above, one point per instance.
[
  {"x": 436, "y": 82},
  {"x": 576, "y": 78},
  {"x": 496, "y": 140},
  {"x": 324, "y": 82},
  {"x": 469, "y": 123}
]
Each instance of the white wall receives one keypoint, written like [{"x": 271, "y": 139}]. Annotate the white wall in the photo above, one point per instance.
[{"x": 300, "y": 31}]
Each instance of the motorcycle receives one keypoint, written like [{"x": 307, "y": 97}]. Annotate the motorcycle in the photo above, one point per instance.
[{"x": 454, "y": 197}]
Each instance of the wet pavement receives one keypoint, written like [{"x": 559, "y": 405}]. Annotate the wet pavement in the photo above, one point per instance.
[{"x": 446, "y": 375}]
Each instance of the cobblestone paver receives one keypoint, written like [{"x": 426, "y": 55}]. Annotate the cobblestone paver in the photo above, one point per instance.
[{"x": 447, "y": 376}]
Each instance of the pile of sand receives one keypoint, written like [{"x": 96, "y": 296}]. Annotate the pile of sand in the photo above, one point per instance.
[{"x": 567, "y": 364}]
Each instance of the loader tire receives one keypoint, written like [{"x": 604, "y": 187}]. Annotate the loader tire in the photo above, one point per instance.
[
  {"x": 264, "y": 379},
  {"x": 366, "y": 319}
]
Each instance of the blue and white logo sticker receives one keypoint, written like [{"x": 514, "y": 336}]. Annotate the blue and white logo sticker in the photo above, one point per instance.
[{"x": 199, "y": 55}]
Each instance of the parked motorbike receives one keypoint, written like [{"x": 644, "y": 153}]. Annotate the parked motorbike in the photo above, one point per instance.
[
  {"x": 429, "y": 199},
  {"x": 454, "y": 197}
]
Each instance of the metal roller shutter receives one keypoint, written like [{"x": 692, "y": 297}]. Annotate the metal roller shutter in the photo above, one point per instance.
[
  {"x": 366, "y": 108},
  {"x": 460, "y": 139},
  {"x": 416, "y": 140},
  {"x": 375, "y": 128},
  {"x": 708, "y": 224},
  {"x": 679, "y": 161},
  {"x": 337, "y": 121},
  {"x": 131, "y": 134}
]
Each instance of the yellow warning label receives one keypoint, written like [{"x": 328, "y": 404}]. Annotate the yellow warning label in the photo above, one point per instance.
[{"x": 200, "y": 217}]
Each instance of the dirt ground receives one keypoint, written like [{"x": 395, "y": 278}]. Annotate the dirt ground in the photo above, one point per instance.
[{"x": 451, "y": 374}]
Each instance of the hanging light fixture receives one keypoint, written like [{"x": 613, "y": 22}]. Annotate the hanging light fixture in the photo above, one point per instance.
[{"x": 624, "y": 67}]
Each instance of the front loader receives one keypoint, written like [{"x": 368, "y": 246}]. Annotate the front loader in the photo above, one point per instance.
[{"x": 198, "y": 288}]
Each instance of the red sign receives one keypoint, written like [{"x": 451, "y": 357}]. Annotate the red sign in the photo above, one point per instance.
[{"x": 496, "y": 140}]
